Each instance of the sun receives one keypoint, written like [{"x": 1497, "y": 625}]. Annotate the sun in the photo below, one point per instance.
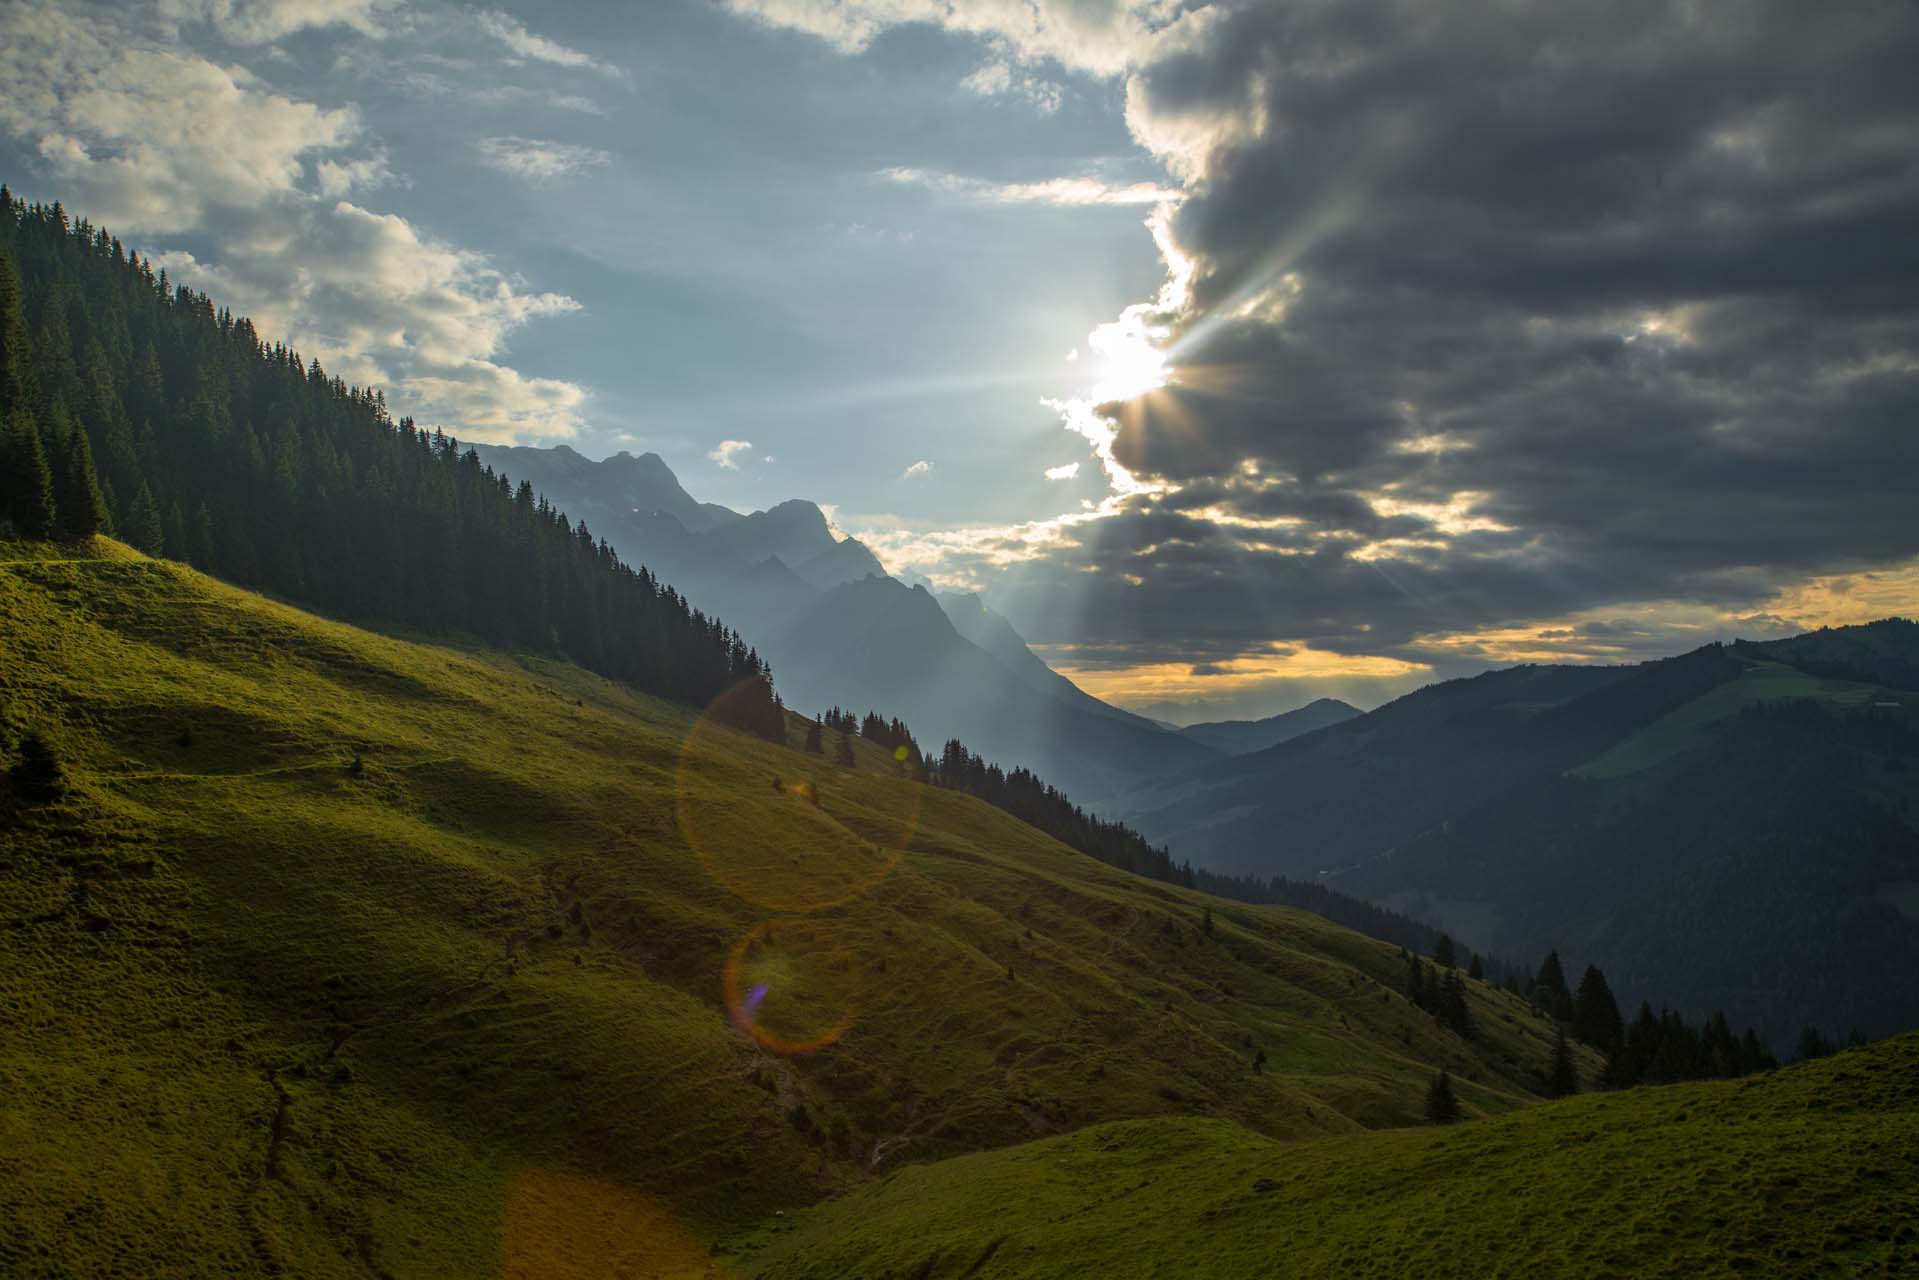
[{"x": 1131, "y": 362}]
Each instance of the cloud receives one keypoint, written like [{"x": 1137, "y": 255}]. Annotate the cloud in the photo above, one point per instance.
[
  {"x": 1004, "y": 79},
  {"x": 726, "y": 454},
  {"x": 1056, "y": 191},
  {"x": 920, "y": 468},
  {"x": 249, "y": 22},
  {"x": 1482, "y": 322},
  {"x": 1102, "y": 37},
  {"x": 512, "y": 33},
  {"x": 1064, "y": 471},
  {"x": 540, "y": 161},
  {"x": 158, "y": 144}
]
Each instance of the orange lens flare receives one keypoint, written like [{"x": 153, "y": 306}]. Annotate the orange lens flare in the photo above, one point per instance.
[
  {"x": 793, "y": 985},
  {"x": 800, "y": 837}
]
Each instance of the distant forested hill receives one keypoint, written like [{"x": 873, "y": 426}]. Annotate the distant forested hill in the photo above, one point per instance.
[
  {"x": 134, "y": 406},
  {"x": 1736, "y": 828}
]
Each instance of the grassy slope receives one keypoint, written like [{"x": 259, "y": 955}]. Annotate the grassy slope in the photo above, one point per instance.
[
  {"x": 1809, "y": 1171},
  {"x": 459, "y": 1012}
]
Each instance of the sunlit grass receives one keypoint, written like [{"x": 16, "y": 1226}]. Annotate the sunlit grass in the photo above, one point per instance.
[{"x": 335, "y": 934}]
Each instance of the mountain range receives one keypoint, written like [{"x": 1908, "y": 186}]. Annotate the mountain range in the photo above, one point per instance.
[
  {"x": 1733, "y": 827},
  {"x": 840, "y": 632}
]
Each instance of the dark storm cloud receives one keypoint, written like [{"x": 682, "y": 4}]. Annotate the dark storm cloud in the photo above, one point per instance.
[{"x": 1624, "y": 298}]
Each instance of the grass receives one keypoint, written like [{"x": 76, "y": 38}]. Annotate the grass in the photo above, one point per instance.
[
  {"x": 1812, "y": 1171},
  {"x": 348, "y": 955}
]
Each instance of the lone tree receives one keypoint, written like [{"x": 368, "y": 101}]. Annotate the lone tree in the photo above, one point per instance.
[
  {"x": 1476, "y": 971},
  {"x": 1441, "y": 1106},
  {"x": 37, "y": 777},
  {"x": 1445, "y": 952},
  {"x": 1562, "y": 1080},
  {"x": 844, "y": 752},
  {"x": 813, "y": 735}
]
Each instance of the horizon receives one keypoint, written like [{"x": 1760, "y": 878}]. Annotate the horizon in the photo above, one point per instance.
[{"x": 1364, "y": 697}]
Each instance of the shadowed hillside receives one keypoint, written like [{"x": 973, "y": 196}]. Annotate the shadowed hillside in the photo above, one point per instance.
[
  {"x": 338, "y": 954},
  {"x": 1736, "y": 828},
  {"x": 1811, "y": 1171}
]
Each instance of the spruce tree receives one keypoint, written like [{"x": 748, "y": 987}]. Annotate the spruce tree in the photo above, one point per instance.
[
  {"x": 1596, "y": 1018},
  {"x": 26, "y": 501},
  {"x": 1445, "y": 952},
  {"x": 18, "y": 385},
  {"x": 200, "y": 539},
  {"x": 80, "y": 507},
  {"x": 1457, "y": 1014},
  {"x": 843, "y": 753},
  {"x": 37, "y": 777},
  {"x": 1477, "y": 972},
  {"x": 143, "y": 522},
  {"x": 1562, "y": 1079},
  {"x": 1441, "y": 1106},
  {"x": 813, "y": 734},
  {"x": 1549, "y": 988}
]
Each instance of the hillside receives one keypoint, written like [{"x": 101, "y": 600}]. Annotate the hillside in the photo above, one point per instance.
[
  {"x": 1238, "y": 737},
  {"x": 1810, "y": 1171},
  {"x": 1721, "y": 830},
  {"x": 342, "y": 954}
]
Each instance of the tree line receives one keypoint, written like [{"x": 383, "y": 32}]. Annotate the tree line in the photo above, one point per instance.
[{"x": 133, "y": 406}]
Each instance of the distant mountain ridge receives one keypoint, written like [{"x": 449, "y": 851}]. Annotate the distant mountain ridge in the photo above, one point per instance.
[
  {"x": 894, "y": 646},
  {"x": 839, "y": 630},
  {"x": 1238, "y": 737}
]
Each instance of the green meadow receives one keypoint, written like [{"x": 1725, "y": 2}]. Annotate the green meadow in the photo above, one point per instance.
[{"x": 344, "y": 954}]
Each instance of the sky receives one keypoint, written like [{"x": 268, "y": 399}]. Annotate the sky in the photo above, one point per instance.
[{"x": 1240, "y": 353}]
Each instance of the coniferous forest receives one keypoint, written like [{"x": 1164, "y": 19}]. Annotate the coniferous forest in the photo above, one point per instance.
[{"x": 133, "y": 406}]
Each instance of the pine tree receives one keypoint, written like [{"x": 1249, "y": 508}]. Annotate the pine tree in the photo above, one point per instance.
[
  {"x": 1477, "y": 972},
  {"x": 1549, "y": 988},
  {"x": 813, "y": 735},
  {"x": 81, "y": 508},
  {"x": 1445, "y": 952},
  {"x": 1457, "y": 1014},
  {"x": 143, "y": 523},
  {"x": 1562, "y": 1079},
  {"x": 27, "y": 500},
  {"x": 1596, "y": 1018},
  {"x": 37, "y": 777},
  {"x": 19, "y": 388},
  {"x": 1416, "y": 982},
  {"x": 200, "y": 539},
  {"x": 1441, "y": 1106},
  {"x": 843, "y": 753}
]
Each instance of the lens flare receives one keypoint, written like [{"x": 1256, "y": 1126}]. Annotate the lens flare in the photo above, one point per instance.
[
  {"x": 817, "y": 837},
  {"x": 793, "y": 985}
]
